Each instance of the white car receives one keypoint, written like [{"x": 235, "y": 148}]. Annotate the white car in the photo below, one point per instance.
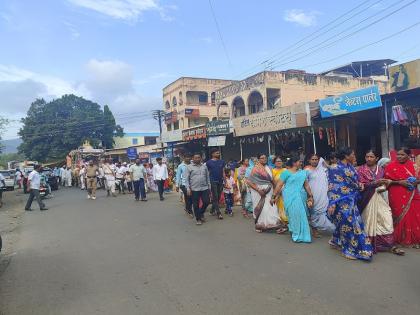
[{"x": 9, "y": 179}]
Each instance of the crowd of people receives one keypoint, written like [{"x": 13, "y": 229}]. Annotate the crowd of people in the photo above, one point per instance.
[{"x": 367, "y": 209}]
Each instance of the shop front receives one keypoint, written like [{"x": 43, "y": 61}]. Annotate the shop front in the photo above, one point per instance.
[
  {"x": 403, "y": 108},
  {"x": 195, "y": 140},
  {"x": 352, "y": 119},
  {"x": 282, "y": 131}
]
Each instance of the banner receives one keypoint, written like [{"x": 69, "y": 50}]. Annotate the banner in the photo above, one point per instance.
[
  {"x": 217, "y": 141},
  {"x": 405, "y": 76},
  {"x": 192, "y": 113},
  {"x": 132, "y": 153},
  {"x": 218, "y": 127},
  {"x": 144, "y": 158},
  {"x": 171, "y": 117},
  {"x": 355, "y": 101}
]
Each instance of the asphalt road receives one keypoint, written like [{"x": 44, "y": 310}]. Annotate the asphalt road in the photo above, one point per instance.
[{"x": 116, "y": 256}]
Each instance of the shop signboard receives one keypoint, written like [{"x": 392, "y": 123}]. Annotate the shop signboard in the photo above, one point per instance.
[
  {"x": 281, "y": 118},
  {"x": 172, "y": 136},
  {"x": 218, "y": 127},
  {"x": 144, "y": 157},
  {"x": 405, "y": 76},
  {"x": 132, "y": 153},
  {"x": 192, "y": 113},
  {"x": 351, "y": 102},
  {"x": 171, "y": 117},
  {"x": 216, "y": 141},
  {"x": 194, "y": 133}
]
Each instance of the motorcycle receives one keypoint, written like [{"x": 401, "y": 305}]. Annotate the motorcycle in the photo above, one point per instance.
[{"x": 44, "y": 191}]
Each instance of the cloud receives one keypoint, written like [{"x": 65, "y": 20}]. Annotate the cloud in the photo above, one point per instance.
[
  {"x": 125, "y": 9},
  {"x": 74, "y": 33},
  {"x": 300, "y": 17}
]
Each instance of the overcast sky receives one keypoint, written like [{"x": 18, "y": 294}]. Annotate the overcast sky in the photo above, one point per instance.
[{"x": 123, "y": 52}]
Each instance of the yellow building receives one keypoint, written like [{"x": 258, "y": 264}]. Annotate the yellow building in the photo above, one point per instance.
[{"x": 134, "y": 139}]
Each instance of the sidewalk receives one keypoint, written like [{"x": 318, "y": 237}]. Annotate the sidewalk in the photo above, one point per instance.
[{"x": 11, "y": 216}]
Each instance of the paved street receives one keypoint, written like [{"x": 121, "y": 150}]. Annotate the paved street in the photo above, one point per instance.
[{"x": 115, "y": 256}]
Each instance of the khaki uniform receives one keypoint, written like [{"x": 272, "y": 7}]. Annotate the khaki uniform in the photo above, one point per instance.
[{"x": 91, "y": 179}]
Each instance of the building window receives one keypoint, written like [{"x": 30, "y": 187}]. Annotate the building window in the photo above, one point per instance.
[
  {"x": 174, "y": 103},
  {"x": 203, "y": 98},
  {"x": 167, "y": 105},
  {"x": 213, "y": 98},
  {"x": 176, "y": 125},
  {"x": 180, "y": 100},
  {"x": 134, "y": 141},
  {"x": 149, "y": 140},
  {"x": 168, "y": 127}
]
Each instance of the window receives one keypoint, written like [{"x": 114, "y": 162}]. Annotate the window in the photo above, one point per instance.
[
  {"x": 149, "y": 140},
  {"x": 168, "y": 127},
  {"x": 134, "y": 141},
  {"x": 213, "y": 98},
  {"x": 174, "y": 102},
  {"x": 176, "y": 125},
  {"x": 203, "y": 98}
]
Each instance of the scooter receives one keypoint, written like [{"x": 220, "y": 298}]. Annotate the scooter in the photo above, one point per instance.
[{"x": 43, "y": 191}]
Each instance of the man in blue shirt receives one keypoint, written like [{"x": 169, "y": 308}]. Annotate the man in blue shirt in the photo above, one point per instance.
[
  {"x": 215, "y": 166},
  {"x": 180, "y": 183}
]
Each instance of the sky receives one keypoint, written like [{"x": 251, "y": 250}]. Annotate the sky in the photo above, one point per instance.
[{"x": 123, "y": 52}]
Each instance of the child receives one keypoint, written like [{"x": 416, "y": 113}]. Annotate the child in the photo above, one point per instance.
[{"x": 228, "y": 187}]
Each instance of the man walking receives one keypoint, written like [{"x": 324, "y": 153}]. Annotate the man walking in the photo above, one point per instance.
[
  {"x": 160, "y": 174},
  {"x": 34, "y": 181},
  {"x": 91, "y": 178},
  {"x": 215, "y": 166},
  {"x": 138, "y": 175},
  {"x": 197, "y": 182},
  {"x": 180, "y": 183},
  {"x": 120, "y": 172},
  {"x": 109, "y": 179}
]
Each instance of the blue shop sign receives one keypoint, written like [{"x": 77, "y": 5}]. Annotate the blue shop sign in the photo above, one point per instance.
[
  {"x": 351, "y": 102},
  {"x": 132, "y": 153}
]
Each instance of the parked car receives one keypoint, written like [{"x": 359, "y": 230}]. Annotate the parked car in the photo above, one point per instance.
[{"x": 9, "y": 179}]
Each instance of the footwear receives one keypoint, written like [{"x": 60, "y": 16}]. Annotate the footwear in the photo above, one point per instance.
[
  {"x": 42, "y": 209},
  {"x": 220, "y": 217},
  {"x": 161, "y": 198},
  {"x": 199, "y": 222},
  {"x": 230, "y": 214},
  {"x": 28, "y": 209},
  {"x": 88, "y": 197},
  {"x": 144, "y": 200},
  {"x": 93, "y": 198}
]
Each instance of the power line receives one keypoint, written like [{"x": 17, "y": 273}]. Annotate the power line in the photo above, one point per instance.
[
  {"x": 366, "y": 45},
  {"x": 309, "y": 36},
  {"x": 311, "y": 50},
  {"x": 220, "y": 35}
]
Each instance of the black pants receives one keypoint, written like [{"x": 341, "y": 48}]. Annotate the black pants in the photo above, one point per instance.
[
  {"x": 216, "y": 193},
  {"x": 34, "y": 193},
  {"x": 130, "y": 186},
  {"x": 205, "y": 198},
  {"x": 160, "y": 184},
  {"x": 139, "y": 189},
  {"x": 188, "y": 199}
]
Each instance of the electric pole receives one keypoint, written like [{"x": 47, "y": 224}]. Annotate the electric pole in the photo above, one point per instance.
[{"x": 158, "y": 114}]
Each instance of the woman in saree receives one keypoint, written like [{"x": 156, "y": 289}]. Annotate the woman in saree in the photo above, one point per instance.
[
  {"x": 261, "y": 182},
  {"x": 277, "y": 171},
  {"x": 318, "y": 181},
  {"x": 404, "y": 199},
  {"x": 297, "y": 195},
  {"x": 376, "y": 213},
  {"x": 349, "y": 235}
]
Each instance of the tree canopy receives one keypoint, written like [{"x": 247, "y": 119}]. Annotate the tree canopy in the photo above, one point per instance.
[{"x": 51, "y": 130}]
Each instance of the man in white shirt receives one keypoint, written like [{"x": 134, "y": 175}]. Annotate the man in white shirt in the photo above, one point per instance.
[
  {"x": 120, "y": 172},
  {"x": 34, "y": 181},
  {"x": 160, "y": 174},
  {"x": 138, "y": 175}
]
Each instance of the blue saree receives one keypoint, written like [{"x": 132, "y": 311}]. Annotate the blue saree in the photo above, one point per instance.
[
  {"x": 349, "y": 234},
  {"x": 294, "y": 197}
]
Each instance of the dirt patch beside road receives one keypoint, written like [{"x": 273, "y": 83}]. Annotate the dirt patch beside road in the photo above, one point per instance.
[{"x": 11, "y": 216}]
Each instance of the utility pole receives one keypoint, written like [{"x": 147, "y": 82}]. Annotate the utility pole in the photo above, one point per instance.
[{"x": 158, "y": 114}]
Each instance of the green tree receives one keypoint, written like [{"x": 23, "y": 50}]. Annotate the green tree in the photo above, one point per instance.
[
  {"x": 51, "y": 130},
  {"x": 3, "y": 124}
]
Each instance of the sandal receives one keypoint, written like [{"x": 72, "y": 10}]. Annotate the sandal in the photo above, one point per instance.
[
  {"x": 220, "y": 217},
  {"x": 397, "y": 251},
  {"x": 282, "y": 230},
  {"x": 258, "y": 231}
]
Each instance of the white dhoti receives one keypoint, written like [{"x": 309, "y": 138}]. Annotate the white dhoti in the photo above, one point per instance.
[
  {"x": 82, "y": 182},
  {"x": 110, "y": 183}
]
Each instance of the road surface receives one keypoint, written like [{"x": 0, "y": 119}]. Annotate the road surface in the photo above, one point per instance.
[{"x": 118, "y": 256}]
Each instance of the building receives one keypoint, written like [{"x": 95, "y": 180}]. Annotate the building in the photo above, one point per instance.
[
  {"x": 132, "y": 139},
  {"x": 190, "y": 102}
]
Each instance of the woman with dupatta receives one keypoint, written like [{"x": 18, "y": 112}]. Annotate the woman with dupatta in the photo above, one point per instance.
[
  {"x": 349, "y": 236},
  {"x": 277, "y": 171},
  {"x": 318, "y": 181},
  {"x": 404, "y": 199},
  {"x": 260, "y": 182},
  {"x": 376, "y": 213},
  {"x": 297, "y": 195}
]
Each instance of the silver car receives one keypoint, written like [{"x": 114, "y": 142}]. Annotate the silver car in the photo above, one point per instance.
[{"x": 9, "y": 179}]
